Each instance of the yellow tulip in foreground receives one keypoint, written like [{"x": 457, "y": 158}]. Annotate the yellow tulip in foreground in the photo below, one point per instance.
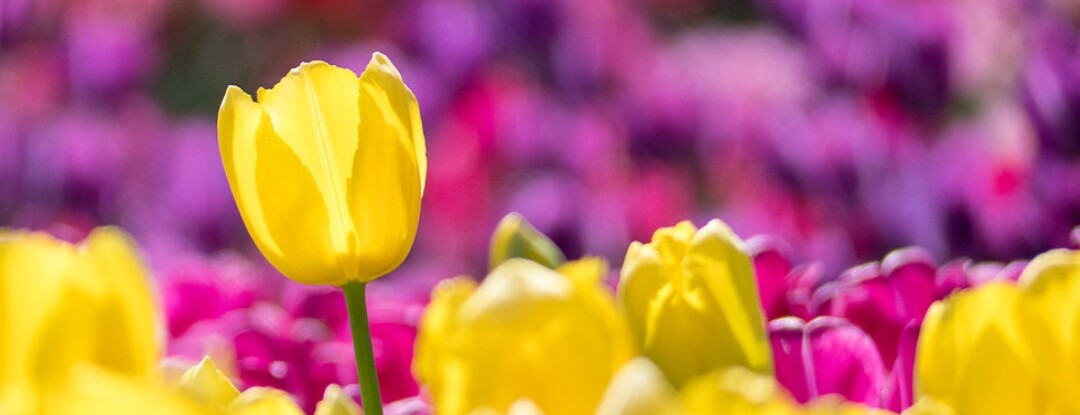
[
  {"x": 64, "y": 307},
  {"x": 529, "y": 339},
  {"x": 691, "y": 300},
  {"x": 1004, "y": 348},
  {"x": 327, "y": 169}
]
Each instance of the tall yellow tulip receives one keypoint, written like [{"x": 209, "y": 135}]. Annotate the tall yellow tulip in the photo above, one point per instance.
[
  {"x": 528, "y": 334},
  {"x": 691, "y": 299},
  {"x": 327, "y": 170}
]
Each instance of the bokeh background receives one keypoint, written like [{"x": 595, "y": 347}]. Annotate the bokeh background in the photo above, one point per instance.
[{"x": 844, "y": 128}]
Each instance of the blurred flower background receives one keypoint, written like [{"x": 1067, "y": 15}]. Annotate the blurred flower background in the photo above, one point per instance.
[{"x": 842, "y": 129}]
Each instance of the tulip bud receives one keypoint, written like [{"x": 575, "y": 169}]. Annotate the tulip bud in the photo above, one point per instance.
[
  {"x": 639, "y": 388},
  {"x": 327, "y": 170},
  {"x": 528, "y": 333},
  {"x": 691, "y": 300},
  {"x": 209, "y": 385},
  {"x": 336, "y": 402},
  {"x": 515, "y": 237}
]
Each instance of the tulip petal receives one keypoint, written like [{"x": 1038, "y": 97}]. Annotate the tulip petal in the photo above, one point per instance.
[
  {"x": 383, "y": 83},
  {"x": 716, "y": 252},
  {"x": 240, "y": 121},
  {"x": 826, "y": 356},
  {"x": 846, "y": 361},
  {"x": 898, "y": 394},
  {"x": 130, "y": 315},
  {"x": 1052, "y": 299},
  {"x": 274, "y": 192},
  {"x": 735, "y": 390},
  {"x": 205, "y": 381},
  {"x": 386, "y": 184},
  {"x": 438, "y": 322},
  {"x": 639, "y": 387},
  {"x": 27, "y": 303},
  {"x": 264, "y": 401},
  {"x": 336, "y": 402},
  {"x": 314, "y": 111},
  {"x": 970, "y": 354},
  {"x": 91, "y": 390},
  {"x": 641, "y": 278}
]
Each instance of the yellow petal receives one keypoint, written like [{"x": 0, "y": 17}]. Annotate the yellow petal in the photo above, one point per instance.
[
  {"x": 641, "y": 280},
  {"x": 240, "y": 123},
  {"x": 715, "y": 250},
  {"x": 928, "y": 406},
  {"x": 639, "y": 388},
  {"x": 387, "y": 180},
  {"x": 736, "y": 390},
  {"x": 438, "y": 325},
  {"x": 131, "y": 339},
  {"x": 335, "y": 402},
  {"x": 88, "y": 304},
  {"x": 1051, "y": 298},
  {"x": 27, "y": 303},
  {"x": 93, "y": 391},
  {"x": 277, "y": 196},
  {"x": 205, "y": 381},
  {"x": 971, "y": 355},
  {"x": 264, "y": 401},
  {"x": 314, "y": 109},
  {"x": 382, "y": 84}
]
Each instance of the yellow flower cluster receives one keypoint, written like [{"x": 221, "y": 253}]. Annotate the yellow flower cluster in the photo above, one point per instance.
[{"x": 534, "y": 340}]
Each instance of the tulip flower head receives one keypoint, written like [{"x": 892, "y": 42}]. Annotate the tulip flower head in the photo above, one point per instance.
[
  {"x": 527, "y": 334},
  {"x": 691, "y": 300},
  {"x": 327, "y": 170},
  {"x": 1005, "y": 347}
]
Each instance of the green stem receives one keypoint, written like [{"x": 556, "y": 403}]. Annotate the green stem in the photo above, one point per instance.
[{"x": 365, "y": 357}]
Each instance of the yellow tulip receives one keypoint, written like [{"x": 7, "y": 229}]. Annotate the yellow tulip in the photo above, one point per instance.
[
  {"x": 515, "y": 237},
  {"x": 527, "y": 334},
  {"x": 205, "y": 382},
  {"x": 973, "y": 358},
  {"x": 1004, "y": 348},
  {"x": 639, "y": 388},
  {"x": 327, "y": 170},
  {"x": 691, "y": 300},
  {"x": 64, "y": 305}
]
